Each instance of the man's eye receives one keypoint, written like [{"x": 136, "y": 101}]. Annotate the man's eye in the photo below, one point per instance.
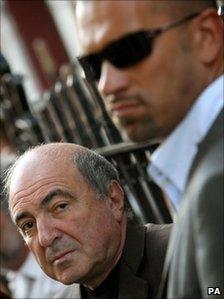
[
  {"x": 61, "y": 206},
  {"x": 26, "y": 227}
]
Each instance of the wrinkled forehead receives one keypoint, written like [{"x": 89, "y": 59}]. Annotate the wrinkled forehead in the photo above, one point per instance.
[
  {"x": 100, "y": 22},
  {"x": 33, "y": 173}
]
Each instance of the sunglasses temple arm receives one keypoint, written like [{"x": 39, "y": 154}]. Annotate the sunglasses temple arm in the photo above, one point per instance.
[{"x": 175, "y": 24}]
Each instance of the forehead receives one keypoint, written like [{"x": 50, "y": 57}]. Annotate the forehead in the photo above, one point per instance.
[
  {"x": 33, "y": 178},
  {"x": 99, "y": 22}
]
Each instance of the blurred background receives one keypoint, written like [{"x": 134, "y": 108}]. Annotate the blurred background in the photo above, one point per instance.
[{"x": 37, "y": 38}]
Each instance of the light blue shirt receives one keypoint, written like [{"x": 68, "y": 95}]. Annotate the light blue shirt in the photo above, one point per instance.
[{"x": 171, "y": 162}]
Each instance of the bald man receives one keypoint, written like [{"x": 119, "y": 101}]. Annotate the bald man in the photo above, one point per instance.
[
  {"x": 159, "y": 67},
  {"x": 69, "y": 207}
]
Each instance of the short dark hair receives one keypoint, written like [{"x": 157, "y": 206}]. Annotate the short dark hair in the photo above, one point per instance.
[{"x": 96, "y": 171}]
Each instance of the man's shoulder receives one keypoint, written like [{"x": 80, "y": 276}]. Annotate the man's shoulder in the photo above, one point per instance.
[
  {"x": 149, "y": 243},
  {"x": 210, "y": 151},
  {"x": 205, "y": 186},
  {"x": 144, "y": 241},
  {"x": 157, "y": 237},
  {"x": 210, "y": 166},
  {"x": 149, "y": 233},
  {"x": 152, "y": 228}
]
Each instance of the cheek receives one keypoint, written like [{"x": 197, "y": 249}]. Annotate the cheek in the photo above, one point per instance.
[
  {"x": 91, "y": 231},
  {"x": 101, "y": 235},
  {"x": 158, "y": 81},
  {"x": 155, "y": 74},
  {"x": 83, "y": 231}
]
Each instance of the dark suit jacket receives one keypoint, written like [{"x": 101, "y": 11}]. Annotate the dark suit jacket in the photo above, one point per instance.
[
  {"x": 195, "y": 257},
  {"x": 141, "y": 263}
]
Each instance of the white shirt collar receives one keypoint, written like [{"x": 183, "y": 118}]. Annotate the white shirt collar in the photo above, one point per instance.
[{"x": 171, "y": 162}]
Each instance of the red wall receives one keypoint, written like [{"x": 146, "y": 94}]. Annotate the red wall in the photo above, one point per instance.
[{"x": 36, "y": 26}]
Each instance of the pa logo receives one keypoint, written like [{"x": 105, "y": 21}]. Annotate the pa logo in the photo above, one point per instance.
[{"x": 214, "y": 291}]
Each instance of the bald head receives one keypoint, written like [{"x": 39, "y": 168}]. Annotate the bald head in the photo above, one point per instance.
[
  {"x": 38, "y": 157},
  {"x": 62, "y": 159},
  {"x": 178, "y": 8},
  {"x": 172, "y": 7},
  {"x": 90, "y": 13}
]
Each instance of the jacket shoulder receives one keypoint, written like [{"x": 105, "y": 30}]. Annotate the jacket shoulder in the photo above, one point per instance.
[
  {"x": 156, "y": 242},
  {"x": 157, "y": 237}
]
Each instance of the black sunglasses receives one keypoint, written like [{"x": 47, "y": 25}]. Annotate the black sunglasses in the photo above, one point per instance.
[{"x": 126, "y": 51}]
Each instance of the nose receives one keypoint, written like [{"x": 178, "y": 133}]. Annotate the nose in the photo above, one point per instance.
[
  {"x": 112, "y": 80},
  {"x": 47, "y": 231}
]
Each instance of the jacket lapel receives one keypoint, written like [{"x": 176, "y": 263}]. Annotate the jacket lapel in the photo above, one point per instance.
[
  {"x": 131, "y": 286},
  {"x": 164, "y": 279}
]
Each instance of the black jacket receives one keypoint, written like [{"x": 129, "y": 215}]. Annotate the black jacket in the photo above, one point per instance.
[{"x": 141, "y": 263}]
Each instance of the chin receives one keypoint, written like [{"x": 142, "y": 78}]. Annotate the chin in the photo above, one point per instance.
[
  {"x": 143, "y": 132},
  {"x": 68, "y": 276},
  {"x": 136, "y": 136},
  {"x": 66, "y": 280},
  {"x": 135, "y": 131}
]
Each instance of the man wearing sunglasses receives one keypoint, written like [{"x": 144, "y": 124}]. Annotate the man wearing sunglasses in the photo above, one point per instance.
[{"x": 159, "y": 67}]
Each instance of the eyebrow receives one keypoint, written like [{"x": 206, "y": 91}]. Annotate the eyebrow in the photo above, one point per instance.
[
  {"x": 58, "y": 192},
  {"x": 44, "y": 202},
  {"x": 20, "y": 216}
]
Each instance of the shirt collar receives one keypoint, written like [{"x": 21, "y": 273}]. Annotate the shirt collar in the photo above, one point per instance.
[{"x": 173, "y": 159}]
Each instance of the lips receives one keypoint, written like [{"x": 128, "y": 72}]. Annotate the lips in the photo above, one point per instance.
[
  {"x": 124, "y": 108},
  {"x": 61, "y": 256}
]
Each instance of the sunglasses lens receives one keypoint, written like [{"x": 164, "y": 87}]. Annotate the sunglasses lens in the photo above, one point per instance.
[
  {"x": 129, "y": 50},
  {"x": 91, "y": 65},
  {"x": 122, "y": 53}
]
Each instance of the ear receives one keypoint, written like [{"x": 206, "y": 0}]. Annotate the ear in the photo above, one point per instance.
[
  {"x": 208, "y": 36},
  {"x": 116, "y": 200}
]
